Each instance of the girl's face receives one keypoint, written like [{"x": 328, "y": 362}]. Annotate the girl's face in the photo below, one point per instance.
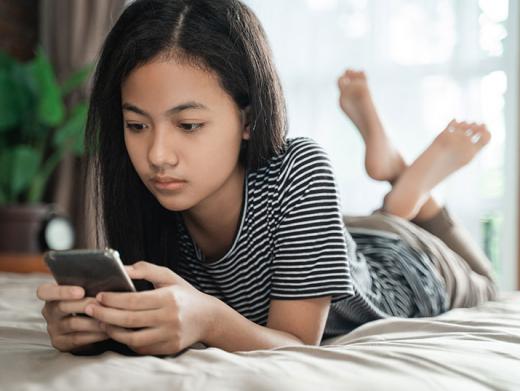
[{"x": 180, "y": 123}]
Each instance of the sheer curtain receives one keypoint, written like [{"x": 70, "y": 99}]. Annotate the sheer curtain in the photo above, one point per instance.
[{"x": 427, "y": 61}]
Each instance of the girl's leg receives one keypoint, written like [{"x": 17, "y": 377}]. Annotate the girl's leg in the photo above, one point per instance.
[
  {"x": 453, "y": 148},
  {"x": 456, "y": 237},
  {"x": 413, "y": 184},
  {"x": 383, "y": 161}
]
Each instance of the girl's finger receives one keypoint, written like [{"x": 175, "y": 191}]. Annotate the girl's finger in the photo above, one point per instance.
[
  {"x": 78, "y": 306},
  {"x": 72, "y": 324},
  {"x": 67, "y": 342},
  {"x": 146, "y": 300},
  {"x": 53, "y": 291},
  {"x": 158, "y": 275},
  {"x": 126, "y": 318},
  {"x": 136, "y": 339}
]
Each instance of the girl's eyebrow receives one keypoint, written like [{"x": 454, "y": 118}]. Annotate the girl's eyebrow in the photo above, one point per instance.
[{"x": 174, "y": 110}]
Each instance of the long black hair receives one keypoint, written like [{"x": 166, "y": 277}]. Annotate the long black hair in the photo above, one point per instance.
[{"x": 221, "y": 36}]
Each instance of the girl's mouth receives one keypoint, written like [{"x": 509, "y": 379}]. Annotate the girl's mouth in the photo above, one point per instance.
[{"x": 172, "y": 185}]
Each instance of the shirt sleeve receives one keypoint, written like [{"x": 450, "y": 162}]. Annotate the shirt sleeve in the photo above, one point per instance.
[{"x": 310, "y": 249}]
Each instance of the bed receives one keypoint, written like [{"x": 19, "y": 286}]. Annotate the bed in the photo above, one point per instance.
[{"x": 463, "y": 349}]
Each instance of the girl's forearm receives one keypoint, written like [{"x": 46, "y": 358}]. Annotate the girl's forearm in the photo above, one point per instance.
[{"x": 231, "y": 331}]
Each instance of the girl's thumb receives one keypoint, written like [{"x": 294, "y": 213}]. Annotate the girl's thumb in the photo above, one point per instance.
[{"x": 158, "y": 275}]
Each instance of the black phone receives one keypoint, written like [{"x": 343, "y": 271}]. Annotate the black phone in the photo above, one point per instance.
[{"x": 93, "y": 269}]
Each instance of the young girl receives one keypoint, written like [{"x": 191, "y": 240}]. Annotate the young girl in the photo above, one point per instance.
[{"x": 235, "y": 231}]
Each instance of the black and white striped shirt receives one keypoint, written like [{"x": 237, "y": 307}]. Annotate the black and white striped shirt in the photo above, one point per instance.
[
  {"x": 291, "y": 240},
  {"x": 292, "y": 244}
]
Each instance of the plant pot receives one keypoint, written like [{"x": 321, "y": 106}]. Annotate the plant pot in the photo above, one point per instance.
[{"x": 21, "y": 226}]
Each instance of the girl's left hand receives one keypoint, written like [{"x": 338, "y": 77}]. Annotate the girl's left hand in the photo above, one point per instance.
[{"x": 169, "y": 318}]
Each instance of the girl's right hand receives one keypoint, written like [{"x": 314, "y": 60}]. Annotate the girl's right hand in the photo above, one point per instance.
[{"x": 68, "y": 332}]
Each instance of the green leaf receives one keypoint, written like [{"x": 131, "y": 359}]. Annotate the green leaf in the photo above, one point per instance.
[
  {"x": 8, "y": 112},
  {"x": 76, "y": 79},
  {"x": 25, "y": 161},
  {"x": 35, "y": 192},
  {"x": 31, "y": 108},
  {"x": 71, "y": 134},
  {"x": 25, "y": 96},
  {"x": 37, "y": 187},
  {"x": 8, "y": 106},
  {"x": 50, "y": 107}
]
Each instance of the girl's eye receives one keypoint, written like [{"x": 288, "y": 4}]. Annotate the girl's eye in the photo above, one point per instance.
[
  {"x": 190, "y": 126},
  {"x": 135, "y": 127}
]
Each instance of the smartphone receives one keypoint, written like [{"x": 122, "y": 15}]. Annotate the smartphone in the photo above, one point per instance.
[{"x": 94, "y": 270}]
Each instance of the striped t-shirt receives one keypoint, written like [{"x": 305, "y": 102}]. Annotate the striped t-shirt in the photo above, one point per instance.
[{"x": 292, "y": 244}]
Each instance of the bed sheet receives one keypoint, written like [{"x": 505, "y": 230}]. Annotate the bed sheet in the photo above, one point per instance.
[{"x": 465, "y": 349}]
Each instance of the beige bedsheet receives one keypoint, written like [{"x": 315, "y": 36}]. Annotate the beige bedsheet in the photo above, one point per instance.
[{"x": 464, "y": 349}]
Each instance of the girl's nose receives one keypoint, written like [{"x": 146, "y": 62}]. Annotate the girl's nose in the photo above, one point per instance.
[{"x": 163, "y": 148}]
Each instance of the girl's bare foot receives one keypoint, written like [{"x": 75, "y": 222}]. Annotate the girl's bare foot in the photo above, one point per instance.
[
  {"x": 460, "y": 142},
  {"x": 382, "y": 161},
  {"x": 452, "y": 149}
]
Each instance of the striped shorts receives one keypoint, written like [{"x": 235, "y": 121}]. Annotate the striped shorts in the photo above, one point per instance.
[{"x": 390, "y": 279}]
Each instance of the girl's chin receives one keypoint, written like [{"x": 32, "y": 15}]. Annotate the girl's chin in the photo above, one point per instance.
[{"x": 173, "y": 204}]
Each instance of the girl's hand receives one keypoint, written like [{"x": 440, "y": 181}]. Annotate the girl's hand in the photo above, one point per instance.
[
  {"x": 68, "y": 332},
  {"x": 162, "y": 321}
]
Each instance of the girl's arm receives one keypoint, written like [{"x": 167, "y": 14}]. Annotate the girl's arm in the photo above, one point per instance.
[
  {"x": 290, "y": 322},
  {"x": 175, "y": 315}
]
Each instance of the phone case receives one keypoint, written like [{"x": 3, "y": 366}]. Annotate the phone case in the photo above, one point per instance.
[{"x": 94, "y": 270}]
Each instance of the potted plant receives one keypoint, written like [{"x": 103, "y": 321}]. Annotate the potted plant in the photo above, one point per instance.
[{"x": 36, "y": 132}]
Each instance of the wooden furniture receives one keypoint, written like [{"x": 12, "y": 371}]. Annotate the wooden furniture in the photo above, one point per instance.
[{"x": 22, "y": 263}]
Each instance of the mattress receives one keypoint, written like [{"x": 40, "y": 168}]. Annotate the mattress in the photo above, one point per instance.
[{"x": 465, "y": 349}]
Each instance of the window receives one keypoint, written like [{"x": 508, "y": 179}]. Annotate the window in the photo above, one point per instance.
[{"x": 427, "y": 61}]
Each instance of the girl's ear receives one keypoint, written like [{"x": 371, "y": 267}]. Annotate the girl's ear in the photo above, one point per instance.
[{"x": 246, "y": 121}]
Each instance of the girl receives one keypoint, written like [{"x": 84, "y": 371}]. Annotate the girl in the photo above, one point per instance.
[{"x": 235, "y": 231}]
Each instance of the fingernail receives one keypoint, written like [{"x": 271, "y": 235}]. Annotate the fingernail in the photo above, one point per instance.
[
  {"x": 77, "y": 292},
  {"x": 99, "y": 297},
  {"x": 89, "y": 310}
]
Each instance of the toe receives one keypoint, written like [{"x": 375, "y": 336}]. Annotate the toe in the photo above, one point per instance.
[
  {"x": 343, "y": 81},
  {"x": 480, "y": 128},
  {"x": 480, "y": 136},
  {"x": 451, "y": 126},
  {"x": 462, "y": 126},
  {"x": 485, "y": 137},
  {"x": 471, "y": 129},
  {"x": 355, "y": 75}
]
